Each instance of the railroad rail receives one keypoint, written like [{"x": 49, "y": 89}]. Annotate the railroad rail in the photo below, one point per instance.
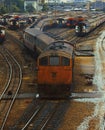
[
  {"x": 73, "y": 95},
  {"x": 46, "y": 115},
  {"x": 30, "y": 123},
  {"x": 12, "y": 86}
]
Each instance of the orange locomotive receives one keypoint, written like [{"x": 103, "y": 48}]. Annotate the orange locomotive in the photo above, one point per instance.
[
  {"x": 55, "y": 70},
  {"x": 71, "y": 22}
]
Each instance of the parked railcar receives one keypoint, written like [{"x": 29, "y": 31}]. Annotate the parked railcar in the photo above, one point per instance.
[
  {"x": 2, "y": 33},
  {"x": 13, "y": 24},
  {"x": 55, "y": 70},
  {"x": 71, "y": 22},
  {"x": 86, "y": 26},
  {"x": 61, "y": 22},
  {"x": 79, "y": 19}
]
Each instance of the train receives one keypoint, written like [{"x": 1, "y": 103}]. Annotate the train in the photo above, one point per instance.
[
  {"x": 36, "y": 37},
  {"x": 55, "y": 61},
  {"x": 55, "y": 70},
  {"x": 13, "y": 24},
  {"x": 61, "y": 22},
  {"x": 86, "y": 26},
  {"x": 73, "y": 21},
  {"x": 2, "y": 33}
]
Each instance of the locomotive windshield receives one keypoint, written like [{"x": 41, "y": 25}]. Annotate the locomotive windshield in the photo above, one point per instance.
[
  {"x": 65, "y": 61},
  {"x": 54, "y": 60},
  {"x": 43, "y": 61}
]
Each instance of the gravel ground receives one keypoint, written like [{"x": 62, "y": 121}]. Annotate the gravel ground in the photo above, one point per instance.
[
  {"x": 78, "y": 111},
  {"x": 75, "y": 115}
]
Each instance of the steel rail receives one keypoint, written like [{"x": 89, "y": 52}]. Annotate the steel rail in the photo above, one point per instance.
[
  {"x": 10, "y": 77},
  {"x": 34, "y": 114},
  {"x": 18, "y": 88}
]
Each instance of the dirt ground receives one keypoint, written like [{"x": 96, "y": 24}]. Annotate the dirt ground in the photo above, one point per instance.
[{"x": 78, "y": 111}]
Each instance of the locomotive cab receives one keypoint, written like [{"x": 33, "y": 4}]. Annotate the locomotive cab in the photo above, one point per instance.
[
  {"x": 61, "y": 22},
  {"x": 55, "y": 71},
  {"x": 80, "y": 29},
  {"x": 14, "y": 24}
]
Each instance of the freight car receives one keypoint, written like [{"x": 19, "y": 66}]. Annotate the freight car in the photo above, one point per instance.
[
  {"x": 55, "y": 70},
  {"x": 2, "y": 33},
  {"x": 88, "y": 25}
]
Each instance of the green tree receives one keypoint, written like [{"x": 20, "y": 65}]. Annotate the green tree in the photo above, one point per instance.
[
  {"x": 3, "y": 10},
  {"x": 14, "y": 5},
  {"x": 45, "y": 7},
  {"x": 30, "y": 8},
  {"x": 20, "y": 5},
  {"x": 14, "y": 8}
]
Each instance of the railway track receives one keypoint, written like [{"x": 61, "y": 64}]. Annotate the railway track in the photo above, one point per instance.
[
  {"x": 30, "y": 124},
  {"x": 11, "y": 87},
  {"x": 46, "y": 115}
]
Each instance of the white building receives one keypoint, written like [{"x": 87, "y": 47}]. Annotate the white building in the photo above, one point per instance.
[
  {"x": 80, "y": 0},
  {"x": 53, "y": 1},
  {"x": 34, "y": 3}
]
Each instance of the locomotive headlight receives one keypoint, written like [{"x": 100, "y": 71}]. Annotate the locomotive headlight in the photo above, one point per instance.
[
  {"x": 63, "y": 22},
  {"x": 84, "y": 28},
  {"x": 11, "y": 23},
  {"x": 3, "y": 32},
  {"x": 17, "y": 23},
  {"x": 76, "y": 29}
]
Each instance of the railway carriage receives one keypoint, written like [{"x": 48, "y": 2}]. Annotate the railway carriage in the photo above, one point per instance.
[
  {"x": 55, "y": 70},
  {"x": 36, "y": 40},
  {"x": 86, "y": 26},
  {"x": 13, "y": 24}
]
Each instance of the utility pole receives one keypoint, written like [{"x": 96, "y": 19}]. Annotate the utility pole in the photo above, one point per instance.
[
  {"x": 55, "y": 8},
  {"x": 88, "y": 6}
]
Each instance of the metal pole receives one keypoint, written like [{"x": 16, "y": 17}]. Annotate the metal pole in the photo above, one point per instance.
[{"x": 55, "y": 9}]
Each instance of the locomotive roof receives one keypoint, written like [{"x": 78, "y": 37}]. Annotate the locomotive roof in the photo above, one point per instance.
[{"x": 58, "y": 47}]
